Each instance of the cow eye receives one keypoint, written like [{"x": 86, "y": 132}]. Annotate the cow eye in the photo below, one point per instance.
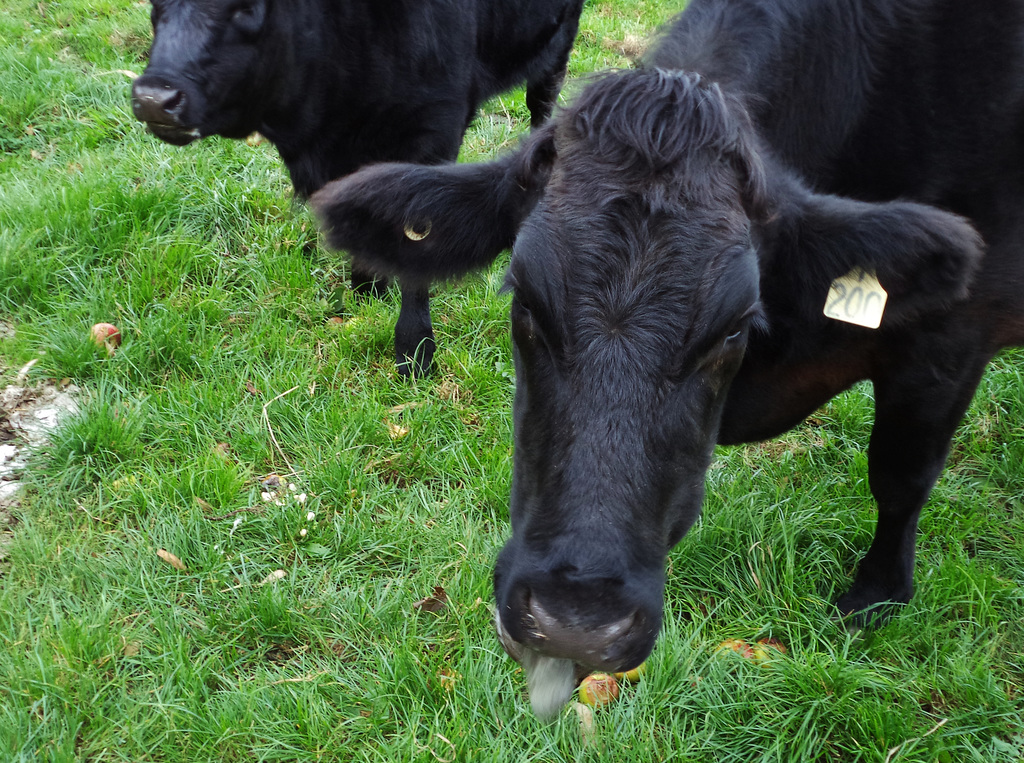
[
  {"x": 753, "y": 317},
  {"x": 520, "y": 313},
  {"x": 713, "y": 353},
  {"x": 524, "y": 324},
  {"x": 734, "y": 336},
  {"x": 248, "y": 15}
]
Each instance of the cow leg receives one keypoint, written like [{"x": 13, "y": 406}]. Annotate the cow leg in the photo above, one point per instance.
[
  {"x": 542, "y": 92},
  {"x": 414, "y": 335},
  {"x": 542, "y": 95},
  {"x": 915, "y": 419},
  {"x": 368, "y": 285}
]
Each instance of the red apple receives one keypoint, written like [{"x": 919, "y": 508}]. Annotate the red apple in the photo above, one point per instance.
[
  {"x": 737, "y": 645},
  {"x": 599, "y": 689},
  {"x": 106, "y": 335}
]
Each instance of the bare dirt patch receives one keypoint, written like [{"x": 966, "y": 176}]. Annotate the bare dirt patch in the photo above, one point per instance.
[{"x": 27, "y": 415}]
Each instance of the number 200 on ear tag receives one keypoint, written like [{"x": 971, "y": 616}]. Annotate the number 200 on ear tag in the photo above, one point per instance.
[{"x": 857, "y": 298}]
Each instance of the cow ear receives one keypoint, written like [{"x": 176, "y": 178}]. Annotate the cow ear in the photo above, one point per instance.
[
  {"x": 753, "y": 184},
  {"x": 423, "y": 223},
  {"x": 925, "y": 258}
]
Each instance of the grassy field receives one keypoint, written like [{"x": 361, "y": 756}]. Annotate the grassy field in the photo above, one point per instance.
[{"x": 245, "y": 357}]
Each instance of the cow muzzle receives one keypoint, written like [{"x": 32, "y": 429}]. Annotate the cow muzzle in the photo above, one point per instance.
[
  {"x": 558, "y": 651},
  {"x": 161, "y": 106}
]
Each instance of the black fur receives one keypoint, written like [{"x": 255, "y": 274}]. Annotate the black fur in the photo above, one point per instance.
[
  {"x": 338, "y": 84},
  {"x": 670, "y": 279}
]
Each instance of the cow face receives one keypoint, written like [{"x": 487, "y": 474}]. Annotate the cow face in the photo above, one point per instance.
[
  {"x": 209, "y": 69},
  {"x": 635, "y": 284}
]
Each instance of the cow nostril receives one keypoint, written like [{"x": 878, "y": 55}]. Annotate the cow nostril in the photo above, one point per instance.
[
  {"x": 158, "y": 103},
  {"x": 174, "y": 102}
]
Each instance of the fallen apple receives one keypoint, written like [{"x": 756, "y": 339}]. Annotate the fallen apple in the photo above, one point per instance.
[
  {"x": 737, "y": 645},
  {"x": 106, "y": 335},
  {"x": 765, "y": 647},
  {"x": 598, "y": 689},
  {"x": 773, "y": 643},
  {"x": 632, "y": 676},
  {"x": 758, "y": 652}
]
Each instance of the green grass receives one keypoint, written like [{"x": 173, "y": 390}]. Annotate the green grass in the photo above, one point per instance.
[{"x": 231, "y": 370}]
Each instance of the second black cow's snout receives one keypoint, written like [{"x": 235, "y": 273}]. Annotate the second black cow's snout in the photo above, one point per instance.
[{"x": 157, "y": 102}]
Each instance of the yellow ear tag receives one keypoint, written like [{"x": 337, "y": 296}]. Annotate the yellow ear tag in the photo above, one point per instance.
[{"x": 857, "y": 298}]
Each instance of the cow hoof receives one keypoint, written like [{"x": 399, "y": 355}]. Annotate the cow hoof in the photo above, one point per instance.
[
  {"x": 857, "y": 614},
  {"x": 418, "y": 363}
]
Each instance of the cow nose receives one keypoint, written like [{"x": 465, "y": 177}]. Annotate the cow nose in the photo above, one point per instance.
[
  {"x": 595, "y": 647},
  {"x": 160, "y": 103},
  {"x": 578, "y": 632}
]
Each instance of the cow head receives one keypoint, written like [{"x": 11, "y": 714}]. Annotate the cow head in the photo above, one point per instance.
[
  {"x": 211, "y": 66},
  {"x": 644, "y": 221}
]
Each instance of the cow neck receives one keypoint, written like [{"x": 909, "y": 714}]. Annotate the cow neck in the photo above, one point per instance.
[{"x": 310, "y": 123}]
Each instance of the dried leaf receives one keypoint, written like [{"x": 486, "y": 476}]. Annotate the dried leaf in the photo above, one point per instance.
[
  {"x": 396, "y": 431},
  {"x": 273, "y": 577},
  {"x": 340, "y": 648},
  {"x": 280, "y": 653},
  {"x": 23, "y": 373},
  {"x": 448, "y": 389},
  {"x": 205, "y": 506},
  {"x": 132, "y": 648},
  {"x": 448, "y": 678},
  {"x": 171, "y": 559},
  {"x": 586, "y": 716},
  {"x": 251, "y": 389},
  {"x": 396, "y": 409},
  {"x": 434, "y": 603},
  {"x": 631, "y": 47}
]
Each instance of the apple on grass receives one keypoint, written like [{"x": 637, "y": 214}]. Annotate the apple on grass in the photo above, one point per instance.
[
  {"x": 599, "y": 689},
  {"x": 106, "y": 335}
]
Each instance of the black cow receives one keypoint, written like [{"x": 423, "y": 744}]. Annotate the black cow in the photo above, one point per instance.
[
  {"x": 337, "y": 84},
  {"x": 676, "y": 234}
]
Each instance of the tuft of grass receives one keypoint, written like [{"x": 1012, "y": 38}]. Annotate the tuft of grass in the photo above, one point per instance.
[{"x": 291, "y": 633}]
